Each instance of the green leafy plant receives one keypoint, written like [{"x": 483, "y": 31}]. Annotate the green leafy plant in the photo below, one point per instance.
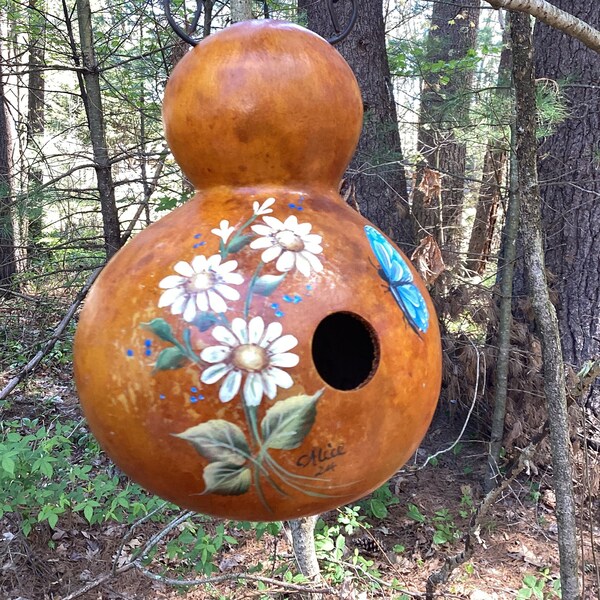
[
  {"x": 47, "y": 471},
  {"x": 543, "y": 586},
  {"x": 381, "y": 499}
]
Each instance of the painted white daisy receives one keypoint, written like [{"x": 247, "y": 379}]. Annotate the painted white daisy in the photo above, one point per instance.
[
  {"x": 290, "y": 242},
  {"x": 252, "y": 351},
  {"x": 264, "y": 208},
  {"x": 202, "y": 285},
  {"x": 223, "y": 231}
]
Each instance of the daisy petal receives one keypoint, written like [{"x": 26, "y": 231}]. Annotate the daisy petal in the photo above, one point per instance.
[
  {"x": 215, "y": 354},
  {"x": 273, "y": 331},
  {"x": 216, "y": 302},
  {"x": 190, "y": 310},
  {"x": 227, "y": 292},
  {"x": 281, "y": 378},
  {"x": 313, "y": 248},
  {"x": 202, "y": 302},
  {"x": 269, "y": 387},
  {"x": 283, "y": 344},
  {"x": 286, "y": 261},
  {"x": 167, "y": 298},
  {"x": 240, "y": 329},
  {"x": 232, "y": 278},
  {"x": 290, "y": 223},
  {"x": 286, "y": 359},
  {"x": 253, "y": 389},
  {"x": 223, "y": 335},
  {"x": 312, "y": 238},
  {"x": 262, "y": 230},
  {"x": 213, "y": 262},
  {"x": 171, "y": 281},
  {"x": 260, "y": 243},
  {"x": 199, "y": 264},
  {"x": 274, "y": 223},
  {"x": 179, "y": 304},
  {"x": 256, "y": 328},
  {"x": 215, "y": 372},
  {"x": 228, "y": 266},
  {"x": 184, "y": 269},
  {"x": 230, "y": 386},
  {"x": 302, "y": 264},
  {"x": 303, "y": 229},
  {"x": 315, "y": 263},
  {"x": 271, "y": 253}
]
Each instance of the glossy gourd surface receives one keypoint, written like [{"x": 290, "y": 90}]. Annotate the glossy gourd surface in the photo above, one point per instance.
[{"x": 262, "y": 352}]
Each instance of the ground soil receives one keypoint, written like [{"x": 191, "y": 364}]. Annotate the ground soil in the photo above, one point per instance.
[{"x": 517, "y": 538}]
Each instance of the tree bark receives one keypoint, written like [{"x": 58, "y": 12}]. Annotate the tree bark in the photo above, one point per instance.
[
  {"x": 545, "y": 314},
  {"x": 490, "y": 192},
  {"x": 241, "y": 10},
  {"x": 303, "y": 540},
  {"x": 570, "y": 185},
  {"x": 375, "y": 180},
  {"x": 585, "y": 31},
  {"x": 92, "y": 99},
  {"x": 444, "y": 108},
  {"x": 35, "y": 127},
  {"x": 7, "y": 240}
]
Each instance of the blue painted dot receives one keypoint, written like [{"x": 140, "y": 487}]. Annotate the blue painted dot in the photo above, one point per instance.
[
  {"x": 292, "y": 205},
  {"x": 162, "y": 396},
  {"x": 278, "y": 313},
  {"x": 197, "y": 236},
  {"x": 193, "y": 399},
  {"x": 130, "y": 352},
  {"x": 194, "y": 390},
  {"x": 275, "y": 305},
  {"x": 200, "y": 244},
  {"x": 301, "y": 199},
  {"x": 309, "y": 287},
  {"x": 200, "y": 397},
  {"x": 297, "y": 299},
  {"x": 288, "y": 298},
  {"x": 148, "y": 352},
  {"x": 147, "y": 343}
]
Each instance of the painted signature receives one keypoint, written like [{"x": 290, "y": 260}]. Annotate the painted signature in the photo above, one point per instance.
[{"x": 321, "y": 457}]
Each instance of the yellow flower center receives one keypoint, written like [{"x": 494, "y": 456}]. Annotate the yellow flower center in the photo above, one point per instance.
[
  {"x": 288, "y": 240},
  {"x": 249, "y": 357}
]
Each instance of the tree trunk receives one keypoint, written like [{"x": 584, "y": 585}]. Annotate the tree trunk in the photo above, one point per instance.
[
  {"x": 570, "y": 186},
  {"x": 444, "y": 108},
  {"x": 490, "y": 192},
  {"x": 35, "y": 127},
  {"x": 303, "y": 540},
  {"x": 375, "y": 181},
  {"x": 545, "y": 314},
  {"x": 92, "y": 99},
  {"x": 7, "y": 241},
  {"x": 241, "y": 10}
]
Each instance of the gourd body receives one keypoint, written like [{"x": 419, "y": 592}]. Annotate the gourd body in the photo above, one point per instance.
[{"x": 261, "y": 352}]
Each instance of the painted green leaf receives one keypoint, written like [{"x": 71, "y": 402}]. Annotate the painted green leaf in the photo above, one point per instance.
[
  {"x": 226, "y": 479},
  {"x": 218, "y": 440},
  {"x": 287, "y": 422},
  {"x": 238, "y": 242},
  {"x": 170, "y": 358},
  {"x": 267, "y": 284},
  {"x": 161, "y": 329}
]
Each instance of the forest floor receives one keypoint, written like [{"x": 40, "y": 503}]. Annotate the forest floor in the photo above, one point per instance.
[{"x": 427, "y": 513}]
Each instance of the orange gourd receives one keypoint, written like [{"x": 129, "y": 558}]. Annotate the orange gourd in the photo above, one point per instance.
[{"x": 261, "y": 352}]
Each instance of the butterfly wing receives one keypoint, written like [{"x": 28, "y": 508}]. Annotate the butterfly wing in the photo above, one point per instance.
[{"x": 400, "y": 279}]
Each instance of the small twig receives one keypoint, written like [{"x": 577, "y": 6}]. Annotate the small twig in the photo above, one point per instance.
[{"x": 56, "y": 334}]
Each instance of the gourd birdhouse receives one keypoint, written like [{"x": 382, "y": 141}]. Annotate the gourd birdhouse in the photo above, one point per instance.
[{"x": 261, "y": 352}]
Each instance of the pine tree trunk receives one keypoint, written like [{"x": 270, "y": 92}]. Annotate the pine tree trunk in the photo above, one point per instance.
[
  {"x": 92, "y": 98},
  {"x": 545, "y": 314},
  {"x": 375, "y": 180},
  {"x": 569, "y": 171},
  {"x": 7, "y": 241},
  {"x": 444, "y": 108},
  {"x": 35, "y": 127}
]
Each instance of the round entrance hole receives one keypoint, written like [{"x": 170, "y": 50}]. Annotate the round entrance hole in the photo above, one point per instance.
[{"x": 345, "y": 350}]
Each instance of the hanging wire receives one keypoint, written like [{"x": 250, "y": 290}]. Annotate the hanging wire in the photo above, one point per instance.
[{"x": 340, "y": 33}]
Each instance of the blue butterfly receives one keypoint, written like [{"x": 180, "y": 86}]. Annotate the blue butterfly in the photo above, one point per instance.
[{"x": 395, "y": 272}]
